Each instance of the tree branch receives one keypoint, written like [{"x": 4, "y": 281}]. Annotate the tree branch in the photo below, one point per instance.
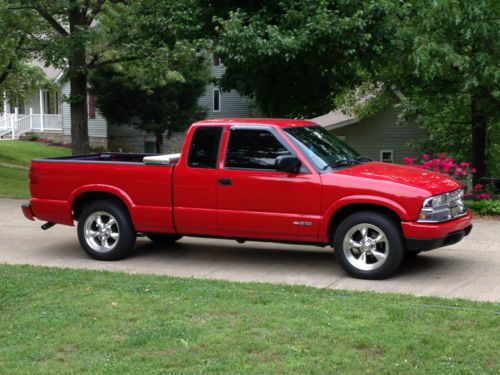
[
  {"x": 95, "y": 63},
  {"x": 10, "y": 65},
  {"x": 487, "y": 94},
  {"x": 51, "y": 20},
  {"x": 95, "y": 11},
  {"x": 7, "y": 71}
]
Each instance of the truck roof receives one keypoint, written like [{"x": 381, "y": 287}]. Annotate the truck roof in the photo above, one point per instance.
[{"x": 280, "y": 122}]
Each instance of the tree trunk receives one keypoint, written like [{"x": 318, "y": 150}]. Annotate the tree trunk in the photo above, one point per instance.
[
  {"x": 478, "y": 123},
  {"x": 79, "y": 117},
  {"x": 159, "y": 142},
  {"x": 77, "y": 69}
]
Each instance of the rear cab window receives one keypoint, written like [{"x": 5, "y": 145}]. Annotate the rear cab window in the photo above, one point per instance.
[{"x": 204, "y": 148}]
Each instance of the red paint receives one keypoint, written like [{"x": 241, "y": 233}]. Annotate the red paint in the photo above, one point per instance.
[{"x": 257, "y": 205}]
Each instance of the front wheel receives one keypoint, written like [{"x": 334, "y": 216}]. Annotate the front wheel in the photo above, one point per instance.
[
  {"x": 368, "y": 245},
  {"x": 105, "y": 230}
]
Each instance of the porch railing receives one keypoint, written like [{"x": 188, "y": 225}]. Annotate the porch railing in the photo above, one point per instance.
[{"x": 13, "y": 125}]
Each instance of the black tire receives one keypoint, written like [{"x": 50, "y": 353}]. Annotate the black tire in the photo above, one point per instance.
[
  {"x": 163, "y": 238},
  {"x": 110, "y": 246},
  {"x": 381, "y": 258}
]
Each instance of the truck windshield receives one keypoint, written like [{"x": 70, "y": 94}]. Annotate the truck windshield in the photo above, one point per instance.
[{"x": 322, "y": 148}]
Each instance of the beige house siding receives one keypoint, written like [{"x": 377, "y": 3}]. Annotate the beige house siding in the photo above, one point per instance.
[
  {"x": 381, "y": 132},
  {"x": 97, "y": 126}
]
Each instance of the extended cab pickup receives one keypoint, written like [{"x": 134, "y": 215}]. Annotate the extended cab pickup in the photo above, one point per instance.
[{"x": 253, "y": 179}]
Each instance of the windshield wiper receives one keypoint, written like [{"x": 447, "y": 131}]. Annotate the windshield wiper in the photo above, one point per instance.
[
  {"x": 363, "y": 158},
  {"x": 340, "y": 163}
]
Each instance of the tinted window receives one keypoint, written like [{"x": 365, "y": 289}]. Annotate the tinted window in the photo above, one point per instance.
[
  {"x": 204, "y": 147},
  {"x": 253, "y": 149}
]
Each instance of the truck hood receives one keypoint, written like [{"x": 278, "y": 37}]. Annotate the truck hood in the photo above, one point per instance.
[{"x": 434, "y": 183}]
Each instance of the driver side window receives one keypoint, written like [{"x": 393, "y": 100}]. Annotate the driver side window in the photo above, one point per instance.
[{"x": 253, "y": 149}]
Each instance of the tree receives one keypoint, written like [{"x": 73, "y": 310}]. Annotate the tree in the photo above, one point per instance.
[
  {"x": 445, "y": 61},
  {"x": 16, "y": 75},
  {"x": 294, "y": 57},
  {"x": 81, "y": 36},
  {"x": 167, "y": 106}
]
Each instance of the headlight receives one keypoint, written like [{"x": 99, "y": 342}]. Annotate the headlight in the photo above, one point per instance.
[{"x": 443, "y": 207}]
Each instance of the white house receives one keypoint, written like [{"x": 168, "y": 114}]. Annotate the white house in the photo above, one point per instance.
[{"x": 45, "y": 112}]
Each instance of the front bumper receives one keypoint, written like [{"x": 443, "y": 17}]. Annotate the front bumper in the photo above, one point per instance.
[
  {"x": 423, "y": 237},
  {"x": 418, "y": 244}
]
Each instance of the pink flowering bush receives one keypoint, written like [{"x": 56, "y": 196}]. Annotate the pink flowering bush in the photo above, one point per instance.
[{"x": 445, "y": 164}]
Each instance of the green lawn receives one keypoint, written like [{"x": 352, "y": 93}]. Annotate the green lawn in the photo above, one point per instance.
[
  {"x": 59, "y": 321},
  {"x": 15, "y": 157}
]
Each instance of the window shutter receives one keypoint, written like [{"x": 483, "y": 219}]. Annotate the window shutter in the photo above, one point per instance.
[{"x": 91, "y": 107}]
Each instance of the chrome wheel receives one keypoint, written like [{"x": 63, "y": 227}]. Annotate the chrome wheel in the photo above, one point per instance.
[
  {"x": 101, "y": 231},
  {"x": 366, "y": 247}
]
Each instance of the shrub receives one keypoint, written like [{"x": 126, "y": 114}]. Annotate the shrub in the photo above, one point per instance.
[
  {"x": 485, "y": 206},
  {"x": 462, "y": 171}
]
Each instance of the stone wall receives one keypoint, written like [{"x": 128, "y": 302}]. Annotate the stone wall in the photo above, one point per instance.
[
  {"x": 55, "y": 137},
  {"x": 96, "y": 143}
]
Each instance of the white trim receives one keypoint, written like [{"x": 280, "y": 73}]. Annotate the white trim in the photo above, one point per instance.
[
  {"x": 387, "y": 161},
  {"x": 340, "y": 124},
  {"x": 213, "y": 99}
]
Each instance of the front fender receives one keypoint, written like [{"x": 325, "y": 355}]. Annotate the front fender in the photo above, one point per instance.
[{"x": 359, "y": 199}]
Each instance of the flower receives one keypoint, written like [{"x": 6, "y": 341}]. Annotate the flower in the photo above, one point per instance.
[
  {"x": 408, "y": 160},
  {"x": 473, "y": 170},
  {"x": 478, "y": 187},
  {"x": 425, "y": 157},
  {"x": 464, "y": 164}
]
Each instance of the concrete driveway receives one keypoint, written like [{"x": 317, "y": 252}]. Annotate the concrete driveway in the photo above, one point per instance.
[{"x": 469, "y": 269}]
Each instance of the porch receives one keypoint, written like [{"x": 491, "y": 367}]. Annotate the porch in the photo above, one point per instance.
[{"x": 13, "y": 125}]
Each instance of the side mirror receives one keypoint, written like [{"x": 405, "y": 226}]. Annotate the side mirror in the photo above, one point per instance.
[{"x": 290, "y": 164}]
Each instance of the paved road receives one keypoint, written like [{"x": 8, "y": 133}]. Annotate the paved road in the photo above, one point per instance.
[{"x": 469, "y": 269}]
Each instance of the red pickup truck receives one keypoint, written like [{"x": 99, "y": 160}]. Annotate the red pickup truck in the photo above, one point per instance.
[{"x": 253, "y": 179}]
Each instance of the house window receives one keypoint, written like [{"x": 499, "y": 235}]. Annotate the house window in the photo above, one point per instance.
[
  {"x": 387, "y": 156},
  {"x": 216, "y": 100},
  {"x": 216, "y": 61},
  {"x": 20, "y": 105},
  {"x": 50, "y": 103},
  {"x": 91, "y": 107}
]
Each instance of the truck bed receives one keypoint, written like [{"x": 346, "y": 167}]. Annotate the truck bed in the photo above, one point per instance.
[
  {"x": 114, "y": 157},
  {"x": 57, "y": 183}
]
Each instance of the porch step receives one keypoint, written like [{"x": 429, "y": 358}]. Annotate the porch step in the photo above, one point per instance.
[{"x": 5, "y": 135}]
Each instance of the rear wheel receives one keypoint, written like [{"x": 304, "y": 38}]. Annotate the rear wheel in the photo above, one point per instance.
[
  {"x": 163, "y": 238},
  {"x": 105, "y": 230},
  {"x": 368, "y": 245}
]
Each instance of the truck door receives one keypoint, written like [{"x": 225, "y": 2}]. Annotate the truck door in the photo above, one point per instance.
[
  {"x": 256, "y": 201},
  {"x": 195, "y": 182}
]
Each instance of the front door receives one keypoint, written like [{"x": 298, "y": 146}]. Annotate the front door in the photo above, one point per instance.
[{"x": 254, "y": 200}]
